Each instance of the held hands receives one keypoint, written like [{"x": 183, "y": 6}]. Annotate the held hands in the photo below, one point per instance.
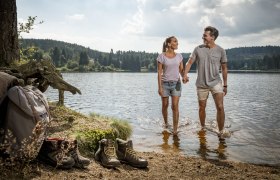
[
  {"x": 225, "y": 90},
  {"x": 185, "y": 79}
]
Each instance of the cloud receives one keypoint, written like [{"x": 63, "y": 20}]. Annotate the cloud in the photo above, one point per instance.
[
  {"x": 253, "y": 17},
  {"x": 77, "y": 17},
  {"x": 277, "y": 5},
  {"x": 267, "y": 37},
  {"x": 204, "y": 21},
  {"x": 134, "y": 25},
  {"x": 117, "y": 24},
  {"x": 227, "y": 2},
  {"x": 190, "y": 6},
  {"x": 233, "y": 17}
]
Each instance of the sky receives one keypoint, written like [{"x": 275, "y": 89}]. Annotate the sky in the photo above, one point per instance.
[{"x": 143, "y": 25}]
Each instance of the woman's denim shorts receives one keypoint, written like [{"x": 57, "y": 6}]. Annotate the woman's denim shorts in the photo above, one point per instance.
[{"x": 171, "y": 88}]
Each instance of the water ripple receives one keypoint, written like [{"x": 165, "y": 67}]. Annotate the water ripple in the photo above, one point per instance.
[{"x": 252, "y": 114}]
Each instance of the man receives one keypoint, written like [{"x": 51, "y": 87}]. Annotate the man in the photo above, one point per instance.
[{"x": 209, "y": 58}]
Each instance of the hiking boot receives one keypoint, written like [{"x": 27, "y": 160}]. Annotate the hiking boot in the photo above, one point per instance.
[
  {"x": 106, "y": 154},
  {"x": 224, "y": 134},
  {"x": 54, "y": 153},
  {"x": 80, "y": 161},
  {"x": 126, "y": 154}
]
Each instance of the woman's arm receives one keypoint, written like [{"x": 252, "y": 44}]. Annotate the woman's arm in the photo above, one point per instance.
[
  {"x": 159, "y": 67},
  {"x": 181, "y": 69}
]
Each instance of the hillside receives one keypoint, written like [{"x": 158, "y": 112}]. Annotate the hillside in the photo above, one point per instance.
[
  {"x": 80, "y": 58},
  {"x": 258, "y": 52}
]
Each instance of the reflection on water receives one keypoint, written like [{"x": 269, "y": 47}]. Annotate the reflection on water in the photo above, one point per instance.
[
  {"x": 167, "y": 146},
  {"x": 204, "y": 150},
  {"x": 252, "y": 109},
  {"x": 222, "y": 150}
]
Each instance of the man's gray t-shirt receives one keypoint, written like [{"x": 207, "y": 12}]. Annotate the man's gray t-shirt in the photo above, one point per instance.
[{"x": 208, "y": 65}]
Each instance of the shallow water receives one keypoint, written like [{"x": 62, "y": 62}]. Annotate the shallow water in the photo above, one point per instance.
[{"x": 252, "y": 110}]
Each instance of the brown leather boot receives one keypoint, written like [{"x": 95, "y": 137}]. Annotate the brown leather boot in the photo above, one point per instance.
[
  {"x": 127, "y": 155},
  {"x": 106, "y": 154},
  {"x": 53, "y": 152},
  {"x": 80, "y": 161}
]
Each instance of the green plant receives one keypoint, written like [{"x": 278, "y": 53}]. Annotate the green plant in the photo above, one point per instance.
[
  {"x": 122, "y": 129},
  {"x": 89, "y": 139}
]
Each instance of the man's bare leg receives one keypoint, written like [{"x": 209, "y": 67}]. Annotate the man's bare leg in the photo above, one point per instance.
[
  {"x": 219, "y": 102},
  {"x": 202, "y": 113}
]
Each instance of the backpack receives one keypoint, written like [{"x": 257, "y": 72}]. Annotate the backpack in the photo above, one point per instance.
[{"x": 26, "y": 121}]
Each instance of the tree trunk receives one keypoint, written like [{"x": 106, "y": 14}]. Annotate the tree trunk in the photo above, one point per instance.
[
  {"x": 9, "y": 48},
  {"x": 61, "y": 98}
]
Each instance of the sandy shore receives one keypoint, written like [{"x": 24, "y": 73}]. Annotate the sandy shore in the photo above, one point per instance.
[{"x": 161, "y": 166}]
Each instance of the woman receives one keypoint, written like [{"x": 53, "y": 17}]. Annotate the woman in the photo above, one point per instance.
[{"x": 170, "y": 66}]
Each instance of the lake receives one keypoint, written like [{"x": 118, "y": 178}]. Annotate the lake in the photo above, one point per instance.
[{"x": 252, "y": 108}]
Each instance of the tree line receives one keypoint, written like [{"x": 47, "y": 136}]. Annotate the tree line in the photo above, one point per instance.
[
  {"x": 73, "y": 57},
  {"x": 254, "y": 58}
]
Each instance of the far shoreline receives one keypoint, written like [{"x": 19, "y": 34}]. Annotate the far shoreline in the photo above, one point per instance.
[
  {"x": 191, "y": 71},
  {"x": 254, "y": 71}
]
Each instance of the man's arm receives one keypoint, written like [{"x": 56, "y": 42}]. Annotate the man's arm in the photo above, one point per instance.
[{"x": 224, "y": 73}]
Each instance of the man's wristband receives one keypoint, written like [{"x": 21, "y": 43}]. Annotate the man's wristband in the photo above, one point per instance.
[{"x": 225, "y": 86}]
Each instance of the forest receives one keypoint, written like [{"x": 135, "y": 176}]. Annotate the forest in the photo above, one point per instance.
[{"x": 76, "y": 58}]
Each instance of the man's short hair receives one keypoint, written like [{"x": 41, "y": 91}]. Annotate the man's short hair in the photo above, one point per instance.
[{"x": 213, "y": 31}]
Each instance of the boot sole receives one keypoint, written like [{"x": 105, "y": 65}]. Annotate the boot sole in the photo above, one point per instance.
[
  {"x": 98, "y": 159},
  {"x": 46, "y": 160},
  {"x": 80, "y": 164},
  {"x": 133, "y": 165},
  {"x": 107, "y": 166}
]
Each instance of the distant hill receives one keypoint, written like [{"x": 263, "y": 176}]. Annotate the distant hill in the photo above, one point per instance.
[
  {"x": 239, "y": 53},
  {"x": 47, "y": 44},
  {"x": 67, "y": 54},
  {"x": 252, "y": 58},
  {"x": 245, "y": 53}
]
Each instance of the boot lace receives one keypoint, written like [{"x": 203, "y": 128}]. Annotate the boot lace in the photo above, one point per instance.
[
  {"x": 110, "y": 152},
  {"x": 75, "y": 154},
  {"x": 131, "y": 153}
]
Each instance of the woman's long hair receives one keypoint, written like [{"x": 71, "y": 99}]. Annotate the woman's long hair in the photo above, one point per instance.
[{"x": 165, "y": 43}]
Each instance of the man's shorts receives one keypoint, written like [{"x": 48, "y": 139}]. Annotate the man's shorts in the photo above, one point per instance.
[
  {"x": 203, "y": 93},
  {"x": 171, "y": 88}
]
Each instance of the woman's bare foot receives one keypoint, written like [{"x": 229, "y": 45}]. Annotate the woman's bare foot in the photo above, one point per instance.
[
  {"x": 175, "y": 133},
  {"x": 165, "y": 125}
]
